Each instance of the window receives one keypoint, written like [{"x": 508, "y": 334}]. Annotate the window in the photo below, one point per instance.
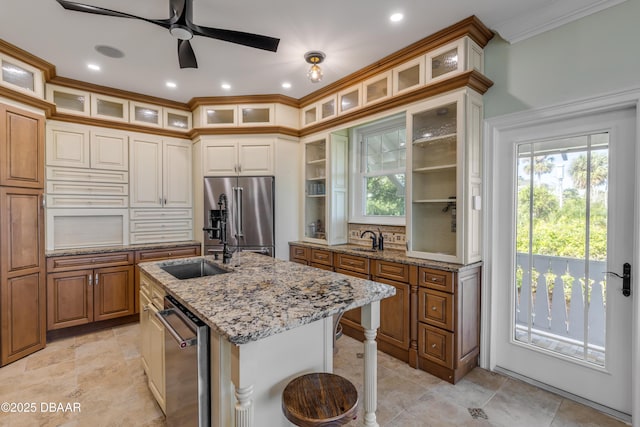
[{"x": 378, "y": 173}]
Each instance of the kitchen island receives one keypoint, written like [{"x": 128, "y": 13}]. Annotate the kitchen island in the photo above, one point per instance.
[{"x": 271, "y": 321}]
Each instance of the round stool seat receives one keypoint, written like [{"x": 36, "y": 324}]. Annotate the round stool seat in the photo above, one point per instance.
[{"x": 320, "y": 399}]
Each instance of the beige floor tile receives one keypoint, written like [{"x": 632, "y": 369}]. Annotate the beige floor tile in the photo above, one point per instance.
[{"x": 573, "y": 414}]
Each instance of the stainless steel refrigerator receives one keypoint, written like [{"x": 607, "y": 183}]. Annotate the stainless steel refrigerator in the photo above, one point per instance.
[{"x": 250, "y": 204}]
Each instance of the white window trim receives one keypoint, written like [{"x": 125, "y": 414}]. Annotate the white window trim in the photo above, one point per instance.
[{"x": 356, "y": 203}]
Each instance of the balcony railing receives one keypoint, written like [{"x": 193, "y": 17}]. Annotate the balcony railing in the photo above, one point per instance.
[{"x": 553, "y": 296}]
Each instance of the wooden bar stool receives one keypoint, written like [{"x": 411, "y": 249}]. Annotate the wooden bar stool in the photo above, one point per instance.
[{"x": 320, "y": 400}]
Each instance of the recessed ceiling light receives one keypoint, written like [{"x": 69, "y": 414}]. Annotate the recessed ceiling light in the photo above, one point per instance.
[
  {"x": 93, "y": 67},
  {"x": 225, "y": 86},
  {"x": 396, "y": 17},
  {"x": 286, "y": 85},
  {"x": 171, "y": 85}
]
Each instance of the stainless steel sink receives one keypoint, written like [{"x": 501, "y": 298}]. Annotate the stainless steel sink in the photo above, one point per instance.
[{"x": 194, "y": 269}]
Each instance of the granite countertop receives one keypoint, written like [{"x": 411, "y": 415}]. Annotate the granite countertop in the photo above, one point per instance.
[
  {"x": 262, "y": 296},
  {"x": 119, "y": 248},
  {"x": 389, "y": 255}
]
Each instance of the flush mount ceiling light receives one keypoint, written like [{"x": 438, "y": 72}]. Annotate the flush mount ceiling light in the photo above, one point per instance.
[{"x": 314, "y": 58}]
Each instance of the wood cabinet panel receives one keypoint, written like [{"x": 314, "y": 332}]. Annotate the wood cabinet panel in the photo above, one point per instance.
[
  {"x": 69, "y": 299},
  {"x": 159, "y": 254},
  {"x": 351, "y": 263},
  {"x": 320, "y": 256},
  {"x": 75, "y": 262},
  {"x": 299, "y": 254},
  {"x": 391, "y": 270},
  {"x": 394, "y": 315},
  {"x": 113, "y": 292},
  {"x": 21, "y": 148},
  {"x": 22, "y": 228},
  {"x": 22, "y": 316},
  {"x": 436, "y": 308},
  {"x": 435, "y": 345},
  {"x": 435, "y": 279}
]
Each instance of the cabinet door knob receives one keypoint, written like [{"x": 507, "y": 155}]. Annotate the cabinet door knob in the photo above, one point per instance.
[
  {"x": 145, "y": 308},
  {"x": 434, "y": 308},
  {"x": 433, "y": 346}
]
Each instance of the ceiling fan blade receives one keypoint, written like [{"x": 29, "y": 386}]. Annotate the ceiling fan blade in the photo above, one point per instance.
[
  {"x": 186, "y": 56},
  {"x": 246, "y": 39},
  {"x": 79, "y": 7}
]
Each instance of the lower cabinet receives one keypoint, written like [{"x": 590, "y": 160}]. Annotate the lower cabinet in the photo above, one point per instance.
[
  {"x": 152, "y": 338},
  {"x": 448, "y": 322},
  {"x": 91, "y": 288}
]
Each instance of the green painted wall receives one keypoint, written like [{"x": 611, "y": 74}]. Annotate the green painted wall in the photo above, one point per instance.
[{"x": 593, "y": 55}]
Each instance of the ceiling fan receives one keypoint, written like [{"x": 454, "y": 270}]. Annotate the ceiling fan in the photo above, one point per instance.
[{"x": 180, "y": 25}]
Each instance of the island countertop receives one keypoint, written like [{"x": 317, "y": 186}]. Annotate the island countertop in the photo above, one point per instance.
[{"x": 262, "y": 296}]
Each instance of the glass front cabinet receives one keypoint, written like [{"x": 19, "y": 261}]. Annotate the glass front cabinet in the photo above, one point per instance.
[
  {"x": 444, "y": 178},
  {"x": 325, "y": 189}
]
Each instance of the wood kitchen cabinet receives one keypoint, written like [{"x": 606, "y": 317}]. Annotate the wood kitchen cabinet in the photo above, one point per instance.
[
  {"x": 448, "y": 322},
  {"x": 22, "y": 263},
  {"x": 89, "y": 288}
]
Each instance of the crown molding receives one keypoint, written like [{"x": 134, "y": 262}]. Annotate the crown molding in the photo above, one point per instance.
[
  {"x": 47, "y": 107},
  {"x": 551, "y": 15},
  {"x": 118, "y": 93},
  {"x": 48, "y": 70},
  {"x": 246, "y": 99},
  {"x": 253, "y": 130},
  {"x": 71, "y": 118}
]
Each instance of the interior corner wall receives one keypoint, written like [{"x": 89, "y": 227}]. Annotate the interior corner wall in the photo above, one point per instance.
[{"x": 594, "y": 55}]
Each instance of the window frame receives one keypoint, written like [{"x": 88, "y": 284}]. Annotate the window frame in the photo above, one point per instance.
[{"x": 357, "y": 177}]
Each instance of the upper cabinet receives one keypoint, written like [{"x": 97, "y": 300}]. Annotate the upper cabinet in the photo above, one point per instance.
[
  {"x": 22, "y": 148},
  {"x": 86, "y": 147},
  {"x": 249, "y": 156},
  {"x": 444, "y": 178},
  {"x": 160, "y": 174},
  {"x": 325, "y": 190},
  {"x": 145, "y": 114},
  {"x": 70, "y": 101},
  {"x": 20, "y": 76},
  {"x": 235, "y": 115},
  {"x": 109, "y": 108}
]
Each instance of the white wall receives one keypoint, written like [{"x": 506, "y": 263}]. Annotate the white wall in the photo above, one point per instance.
[{"x": 594, "y": 55}]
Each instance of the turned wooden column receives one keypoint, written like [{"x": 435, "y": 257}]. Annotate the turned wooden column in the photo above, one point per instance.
[{"x": 370, "y": 319}]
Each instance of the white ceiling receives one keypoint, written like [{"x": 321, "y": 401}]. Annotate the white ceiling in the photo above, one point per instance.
[{"x": 352, "y": 33}]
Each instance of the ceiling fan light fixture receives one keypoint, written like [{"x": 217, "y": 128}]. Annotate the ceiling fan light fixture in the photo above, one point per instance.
[
  {"x": 315, "y": 72},
  {"x": 181, "y": 32}
]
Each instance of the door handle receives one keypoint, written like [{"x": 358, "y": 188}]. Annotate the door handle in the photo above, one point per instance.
[
  {"x": 90, "y": 280},
  {"x": 240, "y": 225},
  {"x": 96, "y": 279},
  {"x": 626, "y": 278}
]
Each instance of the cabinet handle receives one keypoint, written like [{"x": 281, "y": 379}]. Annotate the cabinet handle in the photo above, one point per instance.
[
  {"x": 44, "y": 201},
  {"x": 160, "y": 201},
  {"x": 90, "y": 280},
  {"x": 433, "y": 346},
  {"x": 96, "y": 279},
  {"x": 434, "y": 308},
  {"x": 145, "y": 308},
  {"x": 165, "y": 201}
]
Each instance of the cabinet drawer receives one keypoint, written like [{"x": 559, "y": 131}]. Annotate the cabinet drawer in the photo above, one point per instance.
[
  {"x": 76, "y": 262},
  {"x": 435, "y": 345},
  {"x": 158, "y": 254},
  {"x": 161, "y": 236},
  {"x": 391, "y": 270},
  {"x": 320, "y": 256},
  {"x": 321, "y": 266},
  {"x": 159, "y": 214},
  {"x": 160, "y": 226},
  {"x": 435, "y": 279},
  {"x": 157, "y": 295},
  {"x": 352, "y": 263},
  {"x": 352, "y": 273},
  {"x": 299, "y": 253},
  {"x": 86, "y": 175},
  {"x": 84, "y": 188},
  {"x": 436, "y": 308},
  {"x": 86, "y": 201}
]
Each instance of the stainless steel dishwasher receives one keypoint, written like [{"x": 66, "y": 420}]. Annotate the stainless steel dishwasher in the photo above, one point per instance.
[{"x": 186, "y": 357}]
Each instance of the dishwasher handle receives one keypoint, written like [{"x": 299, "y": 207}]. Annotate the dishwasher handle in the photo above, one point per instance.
[{"x": 182, "y": 342}]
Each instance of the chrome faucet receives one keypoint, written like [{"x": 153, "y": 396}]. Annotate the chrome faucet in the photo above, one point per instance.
[
  {"x": 374, "y": 238},
  {"x": 218, "y": 229},
  {"x": 380, "y": 240}
]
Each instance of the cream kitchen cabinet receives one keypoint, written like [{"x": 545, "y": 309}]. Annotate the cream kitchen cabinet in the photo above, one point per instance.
[
  {"x": 444, "y": 178},
  {"x": 152, "y": 334},
  {"x": 160, "y": 174},
  {"x": 250, "y": 157},
  {"x": 160, "y": 191},
  {"x": 81, "y": 146},
  {"x": 325, "y": 189}
]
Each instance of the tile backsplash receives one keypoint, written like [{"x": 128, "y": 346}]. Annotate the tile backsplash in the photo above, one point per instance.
[{"x": 394, "y": 236}]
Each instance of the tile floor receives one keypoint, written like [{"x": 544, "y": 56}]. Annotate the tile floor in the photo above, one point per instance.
[{"x": 102, "y": 373}]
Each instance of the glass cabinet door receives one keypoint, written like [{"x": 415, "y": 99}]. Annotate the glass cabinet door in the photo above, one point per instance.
[
  {"x": 315, "y": 189},
  {"x": 434, "y": 175}
]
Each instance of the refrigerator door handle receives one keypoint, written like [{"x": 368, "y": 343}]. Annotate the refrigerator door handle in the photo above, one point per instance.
[{"x": 239, "y": 194}]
